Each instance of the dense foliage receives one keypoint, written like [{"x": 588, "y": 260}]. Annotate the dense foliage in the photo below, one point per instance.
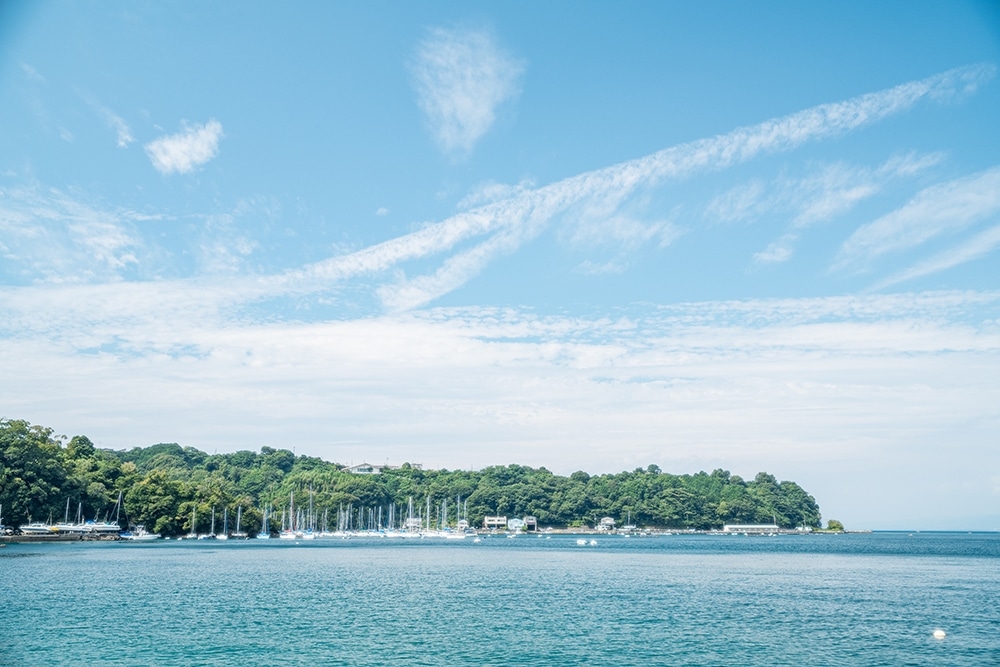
[{"x": 164, "y": 485}]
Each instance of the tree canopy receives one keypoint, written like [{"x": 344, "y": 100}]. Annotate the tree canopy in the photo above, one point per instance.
[{"x": 165, "y": 485}]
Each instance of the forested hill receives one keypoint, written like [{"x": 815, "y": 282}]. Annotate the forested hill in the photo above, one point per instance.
[{"x": 163, "y": 485}]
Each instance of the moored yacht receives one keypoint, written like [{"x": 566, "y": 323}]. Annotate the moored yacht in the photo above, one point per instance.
[{"x": 140, "y": 535}]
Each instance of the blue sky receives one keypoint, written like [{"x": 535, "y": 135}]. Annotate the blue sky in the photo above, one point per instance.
[{"x": 751, "y": 236}]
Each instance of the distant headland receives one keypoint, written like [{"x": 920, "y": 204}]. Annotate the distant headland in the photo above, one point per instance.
[{"x": 174, "y": 490}]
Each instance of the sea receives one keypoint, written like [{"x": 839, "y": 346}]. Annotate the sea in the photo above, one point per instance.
[{"x": 821, "y": 599}]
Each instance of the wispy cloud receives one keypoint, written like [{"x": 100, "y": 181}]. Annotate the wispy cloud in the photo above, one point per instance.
[
  {"x": 745, "y": 201},
  {"x": 190, "y": 148},
  {"x": 597, "y": 209},
  {"x": 830, "y": 191},
  {"x": 50, "y": 236},
  {"x": 523, "y": 216},
  {"x": 942, "y": 208},
  {"x": 461, "y": 77},
  {"x": 780, "y": 250},
  {"x": 222, "y": 247},
  {"x": 31, "y": 73},
  {"x": 978, "y": 246},
  {"x": 113, "y": 120}
]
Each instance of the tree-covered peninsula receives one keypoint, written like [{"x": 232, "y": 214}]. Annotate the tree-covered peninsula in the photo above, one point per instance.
[{"x": 165, "y": 485}]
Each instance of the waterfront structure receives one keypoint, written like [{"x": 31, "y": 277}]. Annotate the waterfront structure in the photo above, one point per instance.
[{"x": 751, "y": 528}]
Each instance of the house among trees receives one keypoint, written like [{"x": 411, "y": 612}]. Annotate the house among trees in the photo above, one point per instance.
[
  {"x": 376, "y": 468},
  {"x": 365, "y": 469}
]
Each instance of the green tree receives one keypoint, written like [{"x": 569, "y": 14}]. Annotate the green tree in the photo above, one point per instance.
[
  {"x": 165, "y": 483},
  {"x": 32, "y": 476}
]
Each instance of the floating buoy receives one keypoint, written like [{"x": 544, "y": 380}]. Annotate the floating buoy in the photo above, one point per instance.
[{"x": 940, "y": 634}]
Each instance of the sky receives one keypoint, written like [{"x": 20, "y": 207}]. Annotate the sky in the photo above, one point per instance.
[{"x": 585, "y": 236}]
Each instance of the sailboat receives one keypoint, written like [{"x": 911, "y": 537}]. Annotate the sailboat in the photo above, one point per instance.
[
  {"x": 239, "y": 535},
  {"x": 66, "y": 526},
  {"x": 211, "y": 535},
  {"x": 309, "y": 533},
  {"x": 289, "y": 532},
  {"x": 265, "y": 531},
  {"x": 225, "y": 525},
  {"x": 104, "y": 527},
  {"x": 193, "y": 535}
]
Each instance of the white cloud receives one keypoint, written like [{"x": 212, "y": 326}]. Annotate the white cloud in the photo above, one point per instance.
[
  {"x": 113, "y": 120},
  {"x": 621, "y": 231},
  {"x": 978, "y": 246},
  {"x": 594, "y": 207},
  {"x": 489, "y": 192},
  {"x": 738, "y": 203},
  {"x": 223, "y": 248},
  {"x": 381, "y": 211},
  {"x": 31, "y": 73},
  {"x": 619, "y": 234},
  {"x": 124, "y": 133},
  {"x": 835, "y": 194},
  {"x": 182, "y": 152},
  {"x": 523, "y": 216},
  {"x": 832, "y": 190},
  {"x": 461, "y": 77},
  {"x": 50, "y": 236},
  {"x": 778, "y": 251},
  {"x": 117, "y": 123},
  {"x": 782, "y": 385},
  {"x": 934, "y": 211}
]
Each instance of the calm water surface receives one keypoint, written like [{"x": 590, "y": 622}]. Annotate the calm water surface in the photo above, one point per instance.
[{"x": 673, "y": 600}]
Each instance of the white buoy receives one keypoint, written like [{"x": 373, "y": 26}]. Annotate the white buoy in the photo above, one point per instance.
[{"x": 940, "y": 634}]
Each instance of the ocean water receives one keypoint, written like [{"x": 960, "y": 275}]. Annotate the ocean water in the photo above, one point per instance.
[{"x": 865, "y": 599}]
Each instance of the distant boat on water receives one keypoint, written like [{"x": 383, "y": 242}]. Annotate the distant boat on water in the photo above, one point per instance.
[
  {"x": 289, "y": 532},
  {"x": 211, "y": 535},
  {"x": 37, "y": 528},
  {"x": 239, "y": 535},
  {"x": 193, "y": 535},
  {"x": 140, "y": 535},
  {"x": 225, "y": 525},
  {"x": 265, "y": 531}
]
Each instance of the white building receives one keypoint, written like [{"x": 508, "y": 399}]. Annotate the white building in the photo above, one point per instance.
[
  {"x": 365, "y": 469},
  {"x": 376, "y": 468},
  {"x": 750, "y": 528}
]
